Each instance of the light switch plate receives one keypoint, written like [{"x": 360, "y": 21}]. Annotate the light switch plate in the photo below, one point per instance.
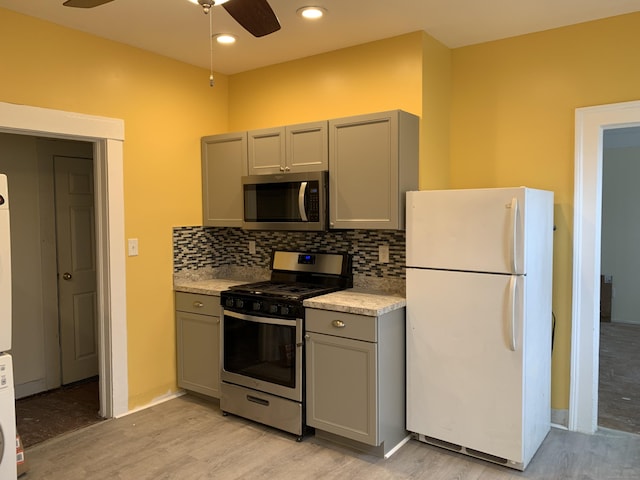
[
  {"x": 252, "y": 247},
  {"x": 133, "y": 247}
]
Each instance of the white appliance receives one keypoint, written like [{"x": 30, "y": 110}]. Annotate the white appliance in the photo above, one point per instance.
[
  {"x": 8, "y": 468},
  {"x": 479, "y": 274}
]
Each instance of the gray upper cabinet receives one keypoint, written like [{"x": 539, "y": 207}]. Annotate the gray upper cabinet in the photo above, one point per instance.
[
  {"x": 224, "y": 161},
  {"x": 373, "y": 162},
  {"x": 294, "y": 148}
]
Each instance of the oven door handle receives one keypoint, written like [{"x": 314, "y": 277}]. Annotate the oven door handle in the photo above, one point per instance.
[
  {"x": 268, "y": 320},
  {"x": 301, "y": 194}
]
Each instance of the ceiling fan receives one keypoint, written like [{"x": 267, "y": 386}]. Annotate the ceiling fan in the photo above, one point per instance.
[{"x": 255, "y": 16}]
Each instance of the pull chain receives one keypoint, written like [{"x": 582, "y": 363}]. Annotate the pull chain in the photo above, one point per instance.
[{"x": 211, "y": 82}]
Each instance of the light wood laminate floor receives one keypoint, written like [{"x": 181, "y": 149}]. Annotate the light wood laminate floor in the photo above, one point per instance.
[{"x": 188, "y": 438}]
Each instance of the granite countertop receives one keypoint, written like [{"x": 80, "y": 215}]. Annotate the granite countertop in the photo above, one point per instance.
[
  {"x": 358, "y": 301},
  {"x": 211, "y": 286},
  {"x": 365, "y": 299}
]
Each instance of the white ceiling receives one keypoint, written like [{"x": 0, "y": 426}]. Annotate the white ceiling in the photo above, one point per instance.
[{"x": 180, "y": 30}]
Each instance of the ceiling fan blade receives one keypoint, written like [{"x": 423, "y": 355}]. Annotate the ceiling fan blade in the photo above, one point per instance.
[
  {"x": 85, "y": 3},
  {"x": 256, "y": 16}
]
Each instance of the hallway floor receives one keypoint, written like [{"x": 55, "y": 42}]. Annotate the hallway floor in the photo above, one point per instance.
[
  {"x": 619, "y": 389},
  {"x": 50, "y": 414}
]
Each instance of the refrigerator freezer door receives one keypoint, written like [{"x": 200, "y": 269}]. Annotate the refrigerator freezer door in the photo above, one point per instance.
[
  {"x": 464, "y": 381},
  {"x": 480, "y": 230}
]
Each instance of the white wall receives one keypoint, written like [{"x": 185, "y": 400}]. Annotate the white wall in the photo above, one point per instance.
[
  {"x": 28, "y": 163},
  {"x": 621, "y": 226}
]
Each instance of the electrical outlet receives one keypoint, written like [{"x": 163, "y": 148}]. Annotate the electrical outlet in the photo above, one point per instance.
[
  {"x": 252, "y": 247},
  {"x": 133, "y": 247},
  {"x": 383, "y": 254}
]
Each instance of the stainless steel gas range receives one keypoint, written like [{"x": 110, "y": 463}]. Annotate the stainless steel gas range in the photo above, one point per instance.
[{"x": 263, "y": 337}]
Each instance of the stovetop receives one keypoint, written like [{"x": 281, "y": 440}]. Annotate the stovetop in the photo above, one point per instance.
[
  {"x": 283, "y": 290},
  {"x": 295, "y": 276}
]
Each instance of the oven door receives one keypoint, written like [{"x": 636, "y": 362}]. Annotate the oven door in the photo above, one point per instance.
[{"x": 263, "y": 353}]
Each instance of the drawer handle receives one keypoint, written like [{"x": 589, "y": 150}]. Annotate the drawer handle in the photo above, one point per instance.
[
  {"x": 198, "y": 304},
  {"x": 338, "y": 324}
]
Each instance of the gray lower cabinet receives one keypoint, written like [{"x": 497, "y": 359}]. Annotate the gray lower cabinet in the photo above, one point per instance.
[
  {"x": 356, "y": 378},
  {"x": 198, "y": 342}
]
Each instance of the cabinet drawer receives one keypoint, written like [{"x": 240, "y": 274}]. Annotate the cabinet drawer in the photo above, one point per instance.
[
  {"x": 197, "y": 303},
  {"x": 340, "y": 324}
]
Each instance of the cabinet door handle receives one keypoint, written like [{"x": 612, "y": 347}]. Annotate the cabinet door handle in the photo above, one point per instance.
[
  {"x": 198, "y": 304},
  {"x": 338, "y": 324}
]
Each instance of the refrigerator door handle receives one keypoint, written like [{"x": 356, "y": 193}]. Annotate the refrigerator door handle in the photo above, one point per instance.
[
  {"x": 513, "y": 292},
  {"x": 514, "y": 235}
]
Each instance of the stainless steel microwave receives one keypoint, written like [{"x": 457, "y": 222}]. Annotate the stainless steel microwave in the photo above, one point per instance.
[{"x": 291, "y": 201}]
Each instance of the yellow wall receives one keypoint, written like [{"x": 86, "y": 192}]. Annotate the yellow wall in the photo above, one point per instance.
[
  {"x": 512, "y": 123},
  {"x": 377, "y": 76},
  {"x": 166, "y": 106}
]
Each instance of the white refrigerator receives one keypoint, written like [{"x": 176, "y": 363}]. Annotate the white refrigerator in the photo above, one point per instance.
[
  {"x": 479, "y": 274},
  {"x": 8, "y": 466}
]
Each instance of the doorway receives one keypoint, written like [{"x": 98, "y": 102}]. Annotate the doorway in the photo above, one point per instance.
[
  {"x": 590, "y": 124},
  {"x": 54, "y": 320},
  {"x": 619, "y": 369},
  {"x": 51, "y": 231},
  {"x": 107, "y": 137}
]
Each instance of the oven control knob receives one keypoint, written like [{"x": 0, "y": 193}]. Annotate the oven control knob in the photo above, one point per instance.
[
  {"x": 228, "y": 302},
  {"x": 284, "y": 310},
  {"x": 256, "y": 306},
  {"x": 273, "y": 308},
  {"x": 239, "y": 303}
]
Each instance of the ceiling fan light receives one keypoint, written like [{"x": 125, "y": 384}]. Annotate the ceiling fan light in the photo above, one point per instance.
[
  {"x": 212, "y": 2},
  {"x": 311, "y": 13},
  {"x": 225, "y": 38}
]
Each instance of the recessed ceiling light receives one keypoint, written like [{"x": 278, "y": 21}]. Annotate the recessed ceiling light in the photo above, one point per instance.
[
  {"x": 311, "y": 13},
  {"x": 225, "y": 38}
]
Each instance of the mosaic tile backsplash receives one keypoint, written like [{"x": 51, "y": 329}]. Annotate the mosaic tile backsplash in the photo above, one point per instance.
[{"x": 199, "y": 247}]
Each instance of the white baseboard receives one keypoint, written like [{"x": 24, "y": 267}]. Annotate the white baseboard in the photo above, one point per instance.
[
  {"x": 30, "y": 388},
  {"x": 155, "y": 401}
]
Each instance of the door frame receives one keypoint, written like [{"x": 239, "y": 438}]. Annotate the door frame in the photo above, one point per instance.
[
  {"x": 107, "y": 135},
  {"x": 590, "y": 124}
]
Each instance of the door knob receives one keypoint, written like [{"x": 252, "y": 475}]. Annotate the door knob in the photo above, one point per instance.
[{"x": 67, "y": 276}]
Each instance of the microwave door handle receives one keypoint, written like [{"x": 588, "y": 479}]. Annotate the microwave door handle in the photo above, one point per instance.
[{"x": 301, "y": 194}]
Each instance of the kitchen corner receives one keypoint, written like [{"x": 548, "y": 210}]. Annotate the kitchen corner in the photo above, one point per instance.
[{"x": 354, "y": 335}]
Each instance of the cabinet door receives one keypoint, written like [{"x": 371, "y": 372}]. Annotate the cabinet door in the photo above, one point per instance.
[
  {"x": 224, "y": 161},
  {"x": 198, "y": 338},
  {"x": 266, "y": 151},
  {"x": 307, "y": 147},
  {"x": 373, "y": 161},
  {"x": 342, "y": 387}
]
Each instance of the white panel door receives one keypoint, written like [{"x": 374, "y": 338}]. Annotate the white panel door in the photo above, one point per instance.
[
  {"x": 5, "y": 268},
  {"x": 464, "y": 381},
  {"x": 472, "y": 230},
  {"x": 75, "y": 229}
]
